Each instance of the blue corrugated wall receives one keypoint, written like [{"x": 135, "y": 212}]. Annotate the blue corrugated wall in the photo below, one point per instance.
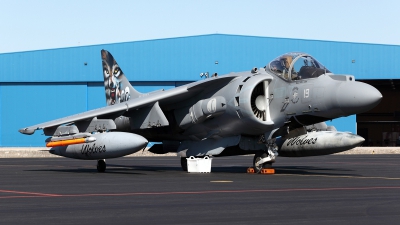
[{"x": 37, "y": 86}]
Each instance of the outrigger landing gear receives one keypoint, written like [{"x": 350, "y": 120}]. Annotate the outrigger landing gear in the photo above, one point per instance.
[
  {"x": 101, "y": 165},
  {"x": 184, "y": 163},
  {"x": 264, "y": 160}
]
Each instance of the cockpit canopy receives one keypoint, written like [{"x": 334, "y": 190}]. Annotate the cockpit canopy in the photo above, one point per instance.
[{"x": 297, "y": 66}]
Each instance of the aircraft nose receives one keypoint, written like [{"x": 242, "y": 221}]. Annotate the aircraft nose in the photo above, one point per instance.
[
  {"x": 357, "y": 97},
  {"x": 357, "y": 140}
]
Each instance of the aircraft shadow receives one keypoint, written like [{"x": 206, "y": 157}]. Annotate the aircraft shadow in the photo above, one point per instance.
[
  {"x": 90, "y": 171},
  {"x": 143, "y": 170}
]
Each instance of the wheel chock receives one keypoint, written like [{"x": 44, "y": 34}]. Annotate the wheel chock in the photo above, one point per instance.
[
  {"x": 268, "y": 171},
  {"x": 250, "y": 170}
]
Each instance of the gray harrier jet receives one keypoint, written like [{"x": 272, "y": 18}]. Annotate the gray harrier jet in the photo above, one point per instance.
[{"x": 276, "y": 110}]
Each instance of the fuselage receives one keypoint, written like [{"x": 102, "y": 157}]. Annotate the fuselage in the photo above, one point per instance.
[{"x": 256, "y": 102}]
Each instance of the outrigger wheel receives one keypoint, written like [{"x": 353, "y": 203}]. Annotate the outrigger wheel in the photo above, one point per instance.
[
  {"x": 184, "y": 163},
  {"x": 101, "y": 165},
  {"x": 257, "y": 158}
]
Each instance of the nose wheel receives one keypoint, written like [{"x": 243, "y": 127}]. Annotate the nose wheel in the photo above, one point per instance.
[
  {"x": 264, "y": 160},
  {"x": 101, "y": 165},
  {"x": 259, "y": 164}
]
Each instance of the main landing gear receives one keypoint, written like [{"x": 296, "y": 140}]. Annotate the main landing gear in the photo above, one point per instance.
[{"x": 101, "y": 165}]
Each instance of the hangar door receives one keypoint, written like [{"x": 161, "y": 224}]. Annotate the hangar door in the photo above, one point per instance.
[{"x": 381, "y": 125}]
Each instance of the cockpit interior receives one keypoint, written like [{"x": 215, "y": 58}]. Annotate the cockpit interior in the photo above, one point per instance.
[{"x": 297, "y": 66}]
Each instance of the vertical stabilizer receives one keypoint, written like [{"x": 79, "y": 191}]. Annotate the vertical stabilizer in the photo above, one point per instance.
[{"x": 118, "y": 89}]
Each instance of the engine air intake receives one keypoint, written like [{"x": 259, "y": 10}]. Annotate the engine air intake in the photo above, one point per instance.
[{"x": 258, "y": 102}]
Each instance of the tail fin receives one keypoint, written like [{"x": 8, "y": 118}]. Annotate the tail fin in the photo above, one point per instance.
[{"x": 118, "y": 89}]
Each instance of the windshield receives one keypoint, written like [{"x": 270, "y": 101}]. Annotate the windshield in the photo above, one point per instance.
[{"x": 296, "y": 66}]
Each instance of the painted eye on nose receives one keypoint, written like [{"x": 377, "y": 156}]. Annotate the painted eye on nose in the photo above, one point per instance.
[
  {"x": 116, "y": 71},
  {"x": 106, "y": 71}
]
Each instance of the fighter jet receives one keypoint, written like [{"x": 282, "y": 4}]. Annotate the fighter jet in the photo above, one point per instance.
[{"x": 279, "y": 109}]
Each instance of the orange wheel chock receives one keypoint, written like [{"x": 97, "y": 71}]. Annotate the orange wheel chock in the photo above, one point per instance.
[
  {"x": 268, "y": 171},
  {"x": 250, "y": 170}
]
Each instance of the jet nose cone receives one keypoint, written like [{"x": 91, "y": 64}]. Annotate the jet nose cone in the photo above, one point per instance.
[
  {"x": 357, "y": 97},
  {"x": 357, "y": 140}
]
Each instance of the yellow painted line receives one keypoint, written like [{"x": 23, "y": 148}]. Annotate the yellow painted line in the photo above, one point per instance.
[
  {"x": 221, "y": 181},
  {"x": 336, "y": 176}
]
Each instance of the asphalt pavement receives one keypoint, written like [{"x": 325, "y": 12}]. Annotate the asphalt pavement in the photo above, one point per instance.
[{"x": 335, "y": 189}]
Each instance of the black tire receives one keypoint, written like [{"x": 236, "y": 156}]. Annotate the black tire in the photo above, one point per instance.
[
  {"x": 258, "y": 157},
  {"x": 184, "y": 163},
  {"x": 101, "y": 166}
]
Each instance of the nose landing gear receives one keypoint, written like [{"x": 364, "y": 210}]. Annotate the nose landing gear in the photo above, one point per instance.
[{"x": 262, "y": 162}]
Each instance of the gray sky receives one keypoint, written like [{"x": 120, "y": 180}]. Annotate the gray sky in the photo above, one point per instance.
[{"x": 43, "y": 24}]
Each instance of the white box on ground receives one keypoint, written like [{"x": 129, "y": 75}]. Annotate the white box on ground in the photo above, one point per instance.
[{"x": 199, "y": 165}]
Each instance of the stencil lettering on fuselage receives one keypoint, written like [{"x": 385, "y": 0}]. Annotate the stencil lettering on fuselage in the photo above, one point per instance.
[{"x": 306, "y": 93}]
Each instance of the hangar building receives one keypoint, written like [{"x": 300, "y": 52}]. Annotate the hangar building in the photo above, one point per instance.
[{"x": 37, "y": 86}]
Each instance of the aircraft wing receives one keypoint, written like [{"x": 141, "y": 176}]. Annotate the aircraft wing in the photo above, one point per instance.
[{"x": 168, "y": 96}]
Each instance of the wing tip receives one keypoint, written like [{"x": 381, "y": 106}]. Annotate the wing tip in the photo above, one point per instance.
[{"x": 27, "y": 130}]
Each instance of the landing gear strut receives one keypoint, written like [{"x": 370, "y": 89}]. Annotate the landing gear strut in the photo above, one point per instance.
[
  {"x": 101, "y": 165},
  {"x": 258, "y": 166},
  {"x": 264, "y": 160}
]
